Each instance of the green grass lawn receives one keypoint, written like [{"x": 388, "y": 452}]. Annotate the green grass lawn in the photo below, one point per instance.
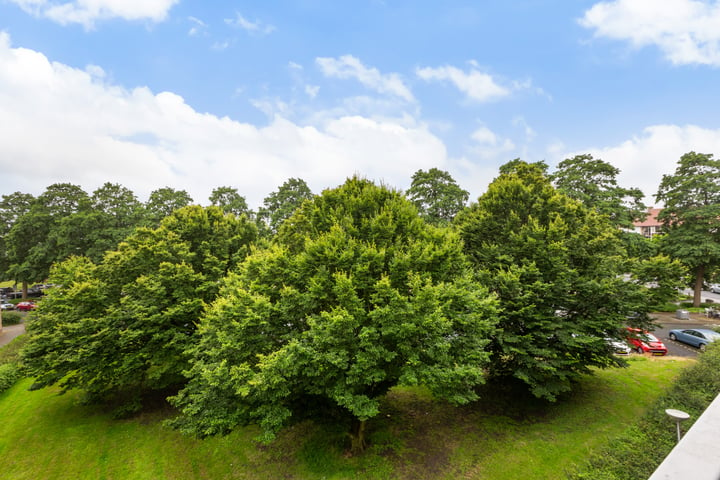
[{"x": 48, "y": 436}]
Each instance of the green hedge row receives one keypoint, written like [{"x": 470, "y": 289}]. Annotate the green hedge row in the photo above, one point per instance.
[
  {"x": 10, "y": 370},
  {"x": 11, "y": 318},
  {"x": 9, "y": 374},
  {"x": 643, "y": 447}
]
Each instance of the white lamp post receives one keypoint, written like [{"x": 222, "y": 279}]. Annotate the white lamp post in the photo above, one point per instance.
[{"x": 678, "y": 416}]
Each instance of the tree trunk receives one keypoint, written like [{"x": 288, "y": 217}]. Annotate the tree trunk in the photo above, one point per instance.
[
  {"x": 699, "y": 277},
  {"x": 357, "y": 437},
  {"x": 24, "y": 289}
]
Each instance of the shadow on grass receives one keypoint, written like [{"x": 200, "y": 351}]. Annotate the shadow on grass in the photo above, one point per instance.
[{"x": 415, "y": 436}]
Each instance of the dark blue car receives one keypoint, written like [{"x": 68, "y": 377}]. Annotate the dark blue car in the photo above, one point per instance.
[{"x": 697, "y": 337}]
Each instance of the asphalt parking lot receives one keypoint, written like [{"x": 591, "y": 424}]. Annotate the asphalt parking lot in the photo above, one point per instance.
[
  {"x": 677, "y": 349},
  {"x": 668, "y": 322}
]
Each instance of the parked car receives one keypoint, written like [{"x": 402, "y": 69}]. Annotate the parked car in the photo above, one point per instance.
[
  {"x": 26, "y": 306},
  {"x": 645, "y": 342},
  {"x": 715, "y": 287},
  {"x": 7, "y": 306},
  {"x": 697, "y": 337},
  {"x": 618, "y": 347}
]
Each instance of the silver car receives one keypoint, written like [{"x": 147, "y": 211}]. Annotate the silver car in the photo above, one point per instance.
[{"x": 697, "y": 337}]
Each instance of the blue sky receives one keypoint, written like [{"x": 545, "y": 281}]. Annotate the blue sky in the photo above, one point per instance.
[{"x": 197, "y": 94}]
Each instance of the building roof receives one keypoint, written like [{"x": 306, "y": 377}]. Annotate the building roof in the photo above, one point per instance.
[{"x": 651, "y": 219}]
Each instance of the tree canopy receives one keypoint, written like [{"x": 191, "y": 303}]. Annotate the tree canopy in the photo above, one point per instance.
[
  {"x": 280, "y": 205},
  {"x": 691, "y": 216},
  {"x": 12, "y": 207},
  {"x": 437, "y": 196},
  {"x": 123, "y": 326},
  {"x": 110, "y": 215},
  {"x": 556, "y": 267},
  {"x": 29, "y": 245},
  {"x": 594, "y": 182},
  {"x": 357, "y": 295},
  {"x": 163, "y": 202},
  {"x": 230, "y": 201}
]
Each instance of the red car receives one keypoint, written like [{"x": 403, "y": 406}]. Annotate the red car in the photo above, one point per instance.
[
  {"x": 26, "y": 306},
  {"x": 644, "y": 342}
]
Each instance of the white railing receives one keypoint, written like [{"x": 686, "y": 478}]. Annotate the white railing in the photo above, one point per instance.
[{"x": 697, "y": 454}]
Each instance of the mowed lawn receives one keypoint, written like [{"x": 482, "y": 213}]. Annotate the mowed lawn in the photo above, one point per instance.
[{"x": 46, "y": 436}]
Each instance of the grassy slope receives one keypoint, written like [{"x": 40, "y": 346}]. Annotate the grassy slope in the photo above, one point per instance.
[{"x": 43, "y": 435}]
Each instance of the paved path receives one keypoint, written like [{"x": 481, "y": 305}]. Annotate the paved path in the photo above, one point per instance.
[{"x": 10, "y": 332}]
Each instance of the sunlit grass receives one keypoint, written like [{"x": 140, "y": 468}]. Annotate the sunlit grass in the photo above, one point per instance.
[{"x": 50, "y": 436}]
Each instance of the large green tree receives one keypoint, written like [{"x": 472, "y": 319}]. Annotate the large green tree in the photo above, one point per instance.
[
  {"x": 230, "y": 201},
  {"x": 358, "y": 294},
  {"x": 122, "y": 327},
  {"x": 437, "y": 195},
  {"x": 12, "y": 207},
  {"x": 110, "y": 215},
  {"x": 691, "y": 215},
  {"x": 30, "y": 245},
  {"x": 279, "y": 205},
  {"x": 594, "y": 182},
  {"x": 164, "y": 201},
  {"x": 557, "y": 268}
]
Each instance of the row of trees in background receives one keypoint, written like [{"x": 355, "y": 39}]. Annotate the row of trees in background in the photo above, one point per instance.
[
  {"x": 36, "y": 232},
  {"x": 65, "y": 220},
  {"x": 690, "y": 213},
  {"x": 323, "y": 305}
]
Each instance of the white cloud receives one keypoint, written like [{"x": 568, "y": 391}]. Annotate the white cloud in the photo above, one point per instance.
[
  {"x": 312, "y": 90},
  {"x": 645, "y": 158},
  {"x": 529, "y": 132},
  {"x": 348, "y": 66},
  {"x": 488, "y": 145},
  {"x": 273, "y": 107},
  {"x": 87, "y": 12},
  {"x": 64, "y": 124},
  {"x": 198, "y": 26},
  {"x": 256, "y": 28},
  {"x": 686, "y": 31},
  {"x": 221, "y": 45},
  {"x": 484, "y": 135},
  {"x": 476, "y": 85}
]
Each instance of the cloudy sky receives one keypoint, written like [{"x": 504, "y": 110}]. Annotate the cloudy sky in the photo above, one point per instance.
[{"x": 197, "y": 94}]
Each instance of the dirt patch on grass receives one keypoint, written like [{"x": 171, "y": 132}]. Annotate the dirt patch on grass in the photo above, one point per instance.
[{"x": 427, "y": 433}]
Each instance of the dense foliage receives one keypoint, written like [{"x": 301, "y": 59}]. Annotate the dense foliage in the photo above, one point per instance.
[
  {"x": 691, "y": 216},
  {"x": 11, "y": 318},
  {"x": 230, "y": 200},
  {"x": 594, "y": 183},
  {"x": 280, "y": 204},
  {"x": 437, "y": 196},
  {"x": 10, "y": 365},
  {"x": 124, "y": 324},
  {"x": 349, "y": 293},
  {"x": 358, "y": 295},
  {"x": 30, "y": 246},
  {"x": 557, "y": 268}
]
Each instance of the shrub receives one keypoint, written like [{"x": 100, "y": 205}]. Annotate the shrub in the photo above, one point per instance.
[
  {"x": 10, "y": 367},
  {"x": 9, "y": 374},
  {"x": 11, "y": 318},
  {"x": 665, "y": 307},
  {"x": 10, "y": 353},
  {"x": 639, "y": 451}
]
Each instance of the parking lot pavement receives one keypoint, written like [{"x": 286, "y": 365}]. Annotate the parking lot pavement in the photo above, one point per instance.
[{"x": 669, "y": 321}]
